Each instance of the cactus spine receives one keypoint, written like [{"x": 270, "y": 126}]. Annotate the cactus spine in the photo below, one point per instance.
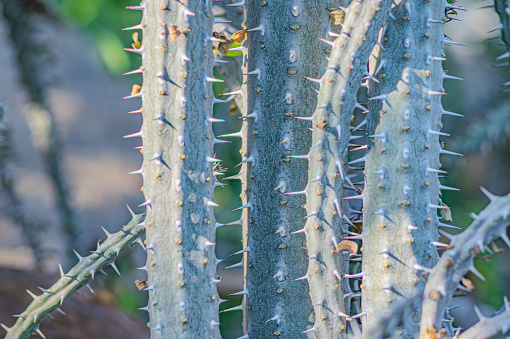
[
  {"x": 401, "y": 176},
  {"x": 177, "y": 170}
]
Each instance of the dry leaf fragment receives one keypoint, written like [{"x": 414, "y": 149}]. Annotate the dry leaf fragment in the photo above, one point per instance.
[
  {"x": 484, "y": 258},
  {"x": 140, "y": 284},
  {"x": 496, "y": 248},
  {"x": 446, "y": 213},
  {"x": 239, "y": 36},
  {"x": 337, "y": 17},
  {"x": 135, "y": 89},
  {"x": 348, "y": 245},
  {"x": 174, "y": 33},
  {"x": 468, "y": 283},
  {"x": 136, "y": 43}
]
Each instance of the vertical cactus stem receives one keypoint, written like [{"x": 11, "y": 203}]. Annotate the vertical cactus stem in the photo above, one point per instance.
[
  {"x": 282, "y": 48},
  {"x": 327, "y": 220},
  {"x": 401, "y": 186},
  {"x": 177, "y": 170}
]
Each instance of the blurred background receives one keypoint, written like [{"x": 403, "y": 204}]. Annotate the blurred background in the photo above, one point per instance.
[{"x": 73, "y": 51}]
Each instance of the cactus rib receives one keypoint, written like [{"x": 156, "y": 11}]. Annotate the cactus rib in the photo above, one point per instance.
[
  {"x": 328, "y": 273},
  {"x": 177, "y": 170}
]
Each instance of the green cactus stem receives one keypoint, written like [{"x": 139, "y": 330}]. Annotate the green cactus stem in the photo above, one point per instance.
[
  {"x": 401, "y": 195},
  {"x": 178, "y": 157},
  {"x": 327, "y": 212},
  {"x": 445, "y": 277},
  {"x": 51, "y": 299}
]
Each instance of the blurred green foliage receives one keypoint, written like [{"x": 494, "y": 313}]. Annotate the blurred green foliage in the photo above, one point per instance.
[{"x": 102, "y": 21}]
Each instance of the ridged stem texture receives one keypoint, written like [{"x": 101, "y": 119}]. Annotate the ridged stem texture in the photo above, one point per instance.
[
  {"x": 283, "y": 48},
  {"x": 41, "y": 121},
  {"x": 78, "y": 276},
  {"x": 177, "y": 170},
  {"x": 445, "y": 277},
  {"x": 327, "y": 212},
  {"x": 401, "y": 197}
]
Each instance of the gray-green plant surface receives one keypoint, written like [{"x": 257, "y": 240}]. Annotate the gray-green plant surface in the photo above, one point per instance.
[{"x": 303, "y": 275}]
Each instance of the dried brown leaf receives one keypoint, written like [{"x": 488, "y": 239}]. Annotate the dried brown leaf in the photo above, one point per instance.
[
  {"x": 446, "y": 213},
  {"x": 140, "y": 284},
  {"x": 174, "y": 33},
  {"x": 239, "y": 36},
  {"x": 348, "y": 245},
  {"x": 337, "y": 17}
]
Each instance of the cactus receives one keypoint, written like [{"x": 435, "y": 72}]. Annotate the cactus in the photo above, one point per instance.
[
  {"x": 393, "y": 49},
  {"x": 327, "y": 215},
  {"x": 402, "y": 164},
  {"x": 77, "y": 277},
  {"x": 275, "y": 94},
  {"x": 177, "y": 170}
]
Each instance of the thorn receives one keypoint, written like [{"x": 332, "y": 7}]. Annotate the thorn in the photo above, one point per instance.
[
  {"x": 208, "y": 243},
  {"x": 450, "y": 42},
  {"x": 355, "y": 197},
  {"x": 211, "y": 79},
  {"x": 357, "y": 275},
  {"x": 440, "y": 224},
  {"x": 243, "y": 292},
  {"x": 115, "y": 268},
  {"x": 305, "y": 277},
  {"x": 331, "y": 43},
  {"x": 31, "y": 294},
  {"x": 38, "y": 331},
  {"x": 447, "y": 188},
  {"x": 299, "y": 156},
  {"x": 130, "y": 211},
  {"x": 311, "y": 329},
  {"x": 211, "y": 119},
  {"x": 449, "y": 153},
  {"x": 479, "y": 314},
  {"x": 219, "y": 61},
  {"x": 503, "y": 56},
  {"x": 446, "y": 76},
  {"x": 248, "y": 205},
  {"x": 259, "y": 28},
  {"x": 211, "y": 159},
  {"x": 438, "y": 206},
  {"x": 239, "y": 264},
  {"x": 146, "y": 308},
  {"x": 488, "y": 194},
  {"x": 78, "y": 255},
  {"x": 5, "y": 327},
  {"x": 219, "y": 21},
  {"x": 432, "y": 132},
  {"x": 146, "y": 203},
  {"x": 247, "y": 249},
  {"x": 440, "y": 244},
  {"x": 134, "y": 135},
  {"x": 275, "y": 318},
  {"x": 473, "y": 270},
  {"x": 235, "y": 308},
  {"x": 249, "y": 159},
  {"x": 137, "y": 8},
  {"x": 297, "y": 192},
  {"x": 317, "y": 81},
  {"x": 301, "y": 230},
  {"x": 136, "y": 71},
  {"x": 139, "y": 26},
  {"x": 433, "y": 170}
]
